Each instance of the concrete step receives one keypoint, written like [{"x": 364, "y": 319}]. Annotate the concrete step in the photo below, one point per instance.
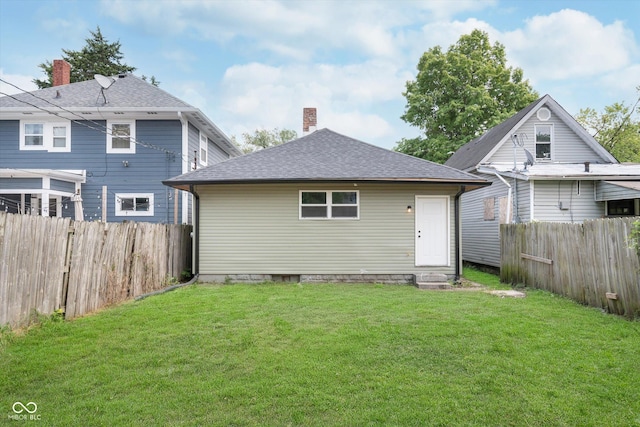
[{"x": 433, "y": 285}]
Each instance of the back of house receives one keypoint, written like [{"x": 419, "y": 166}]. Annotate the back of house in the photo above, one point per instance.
[
  {"x": 99, "y": 150},
  {"x": 544, "y": 166}
]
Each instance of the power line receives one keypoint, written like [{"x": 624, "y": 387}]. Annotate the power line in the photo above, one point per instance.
[{"x": 99, "y": 127}]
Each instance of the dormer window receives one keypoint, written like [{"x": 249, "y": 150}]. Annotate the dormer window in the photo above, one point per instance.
[{"x": 544, "y": 139}]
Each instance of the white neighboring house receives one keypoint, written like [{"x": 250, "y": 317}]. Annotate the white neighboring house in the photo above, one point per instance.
[{"x": 544, "y": 166}]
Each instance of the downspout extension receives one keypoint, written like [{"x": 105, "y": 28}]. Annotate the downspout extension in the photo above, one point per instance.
[
  {"x": 508, "y": 194},
  {"x": 457, "y": 228}
]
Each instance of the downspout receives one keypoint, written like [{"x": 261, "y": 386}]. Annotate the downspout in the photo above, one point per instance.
[
  {"x": 196, "y": 231},
  {"x": 508, "y": 195},
  {"x": 457, "y": 228},
  {"x": 184, "y": 202}
]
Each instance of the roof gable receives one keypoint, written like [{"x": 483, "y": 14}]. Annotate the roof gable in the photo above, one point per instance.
[
  {"x": 324, "y": 155},
  {"x": 481, "y": 149}
]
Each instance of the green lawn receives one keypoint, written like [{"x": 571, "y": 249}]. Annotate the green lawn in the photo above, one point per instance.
[{"x": 329, "y": 355}]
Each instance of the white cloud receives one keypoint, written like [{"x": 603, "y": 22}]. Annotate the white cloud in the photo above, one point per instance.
[
  {"x": 622, "y": 83},
  {"x": 182, "y": 58},
  {"x": 294, "y": 29},
  {"x": 262, "y": 96},
  {"x": 366, "y": 127},
  {"x": 192, "y": 92},
  {"x": 21, "y": 81},
  {"x": 569, "y": 44}
]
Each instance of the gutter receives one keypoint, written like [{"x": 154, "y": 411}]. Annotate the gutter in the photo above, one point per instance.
[
  {"x": 457, "y": 229},
  {"x": 183, "y": 185},
  {"x": 184, "y": 165}
]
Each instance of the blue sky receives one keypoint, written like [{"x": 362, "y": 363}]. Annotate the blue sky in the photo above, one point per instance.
[{"x": 256, "y": 64}]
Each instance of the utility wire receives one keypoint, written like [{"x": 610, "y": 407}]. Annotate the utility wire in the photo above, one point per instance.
[{"x": 97, "y": 126}]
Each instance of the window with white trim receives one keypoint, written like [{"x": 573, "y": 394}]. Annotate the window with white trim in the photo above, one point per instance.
[
  {"x": 329, "y": 205},
  {"x": 544, "y": 139},
  {"x": 121, "y": 137},
  {"x": 204, "y": 149},
  {"x": 49, "y": 136},
  {"x": 134, "y": 204}
]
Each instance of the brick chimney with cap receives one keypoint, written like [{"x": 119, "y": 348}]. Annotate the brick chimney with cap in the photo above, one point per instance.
[
  {"x": 61, "y": 72},
  {"x": 309, "y": 120}
]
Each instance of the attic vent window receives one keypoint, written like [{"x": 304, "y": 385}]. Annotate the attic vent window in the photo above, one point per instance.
[{"x": 544, "y": 114}]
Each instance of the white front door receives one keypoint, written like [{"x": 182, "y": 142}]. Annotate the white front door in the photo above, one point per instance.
[{"x": 432, "y": 231}]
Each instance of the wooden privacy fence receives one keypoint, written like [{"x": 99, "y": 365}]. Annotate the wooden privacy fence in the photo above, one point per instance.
[
  {"x": 51, "y": 263},
  {"x": 591, "y": 263}
]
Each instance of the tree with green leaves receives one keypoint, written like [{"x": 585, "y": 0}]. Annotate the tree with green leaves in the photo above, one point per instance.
[
  {"x": 617, "y": 129},
  {"x": 98, "y": 56},
  {"x": 459, "y": 94},
  {"x": 263, "y": 138}
]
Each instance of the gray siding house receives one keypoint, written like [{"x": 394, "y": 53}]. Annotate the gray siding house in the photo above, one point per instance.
[
  {"x": 84, "y": 151},
  {"x": 326, "y": 207},
  {"x": 543, "y": 166}
]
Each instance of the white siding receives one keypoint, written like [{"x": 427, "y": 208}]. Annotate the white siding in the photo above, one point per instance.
[
  {"x": 216, "y": 154},
  {"x": 550, "y": 195},
  {"x": 567, "y": 146},
  {"x": 480, "y": 237},
  {"x": 255, "y": 229},
  {"x": 607, "y": 191},
  {"x": 523, "y": 208}
]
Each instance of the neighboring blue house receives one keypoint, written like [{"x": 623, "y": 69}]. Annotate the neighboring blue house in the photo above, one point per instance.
[{"x": 100, "y": 150}]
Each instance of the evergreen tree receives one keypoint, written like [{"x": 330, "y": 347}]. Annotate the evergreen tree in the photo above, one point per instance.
[{"x": 98, "y": 56}]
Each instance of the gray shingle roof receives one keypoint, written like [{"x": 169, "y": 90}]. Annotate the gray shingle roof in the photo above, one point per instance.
[
  {"x": 87, "y": 95},
  {"x": 472, "y": 153},
  {"x": 128, "y": 94},
  {"x": 324, "y": 155}
]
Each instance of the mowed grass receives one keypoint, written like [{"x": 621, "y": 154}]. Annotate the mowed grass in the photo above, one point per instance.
[{"x": 329, "y": 355}]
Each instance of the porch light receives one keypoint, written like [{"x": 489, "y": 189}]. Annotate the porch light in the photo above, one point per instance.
[{"x": 409, "y": 209}]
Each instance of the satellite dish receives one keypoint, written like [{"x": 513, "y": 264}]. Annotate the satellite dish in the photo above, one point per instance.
[
  {"x": 530, "y": 159},
  {"x": 104, "y": 81}
]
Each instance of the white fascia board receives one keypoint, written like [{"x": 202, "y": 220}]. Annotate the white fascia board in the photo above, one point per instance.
[
  {"x": 573, "y": 124},
  {"x": 64, "y": 175},
  {"x": 503, "y": 172}
]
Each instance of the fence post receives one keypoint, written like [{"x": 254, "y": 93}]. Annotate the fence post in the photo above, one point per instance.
[{"x": 67, "y": 267}]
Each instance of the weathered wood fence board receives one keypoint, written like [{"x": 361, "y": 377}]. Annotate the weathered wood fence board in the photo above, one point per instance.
[
  {"x": 588, "y": 261},
  {"x": 32, "y": 265},
  {"x": 107, "y": 263}
]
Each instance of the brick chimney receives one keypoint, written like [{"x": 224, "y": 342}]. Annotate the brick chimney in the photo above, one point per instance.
[
  {"x": 61, "y": 72},
  {"x": 309, "y": 120}
]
